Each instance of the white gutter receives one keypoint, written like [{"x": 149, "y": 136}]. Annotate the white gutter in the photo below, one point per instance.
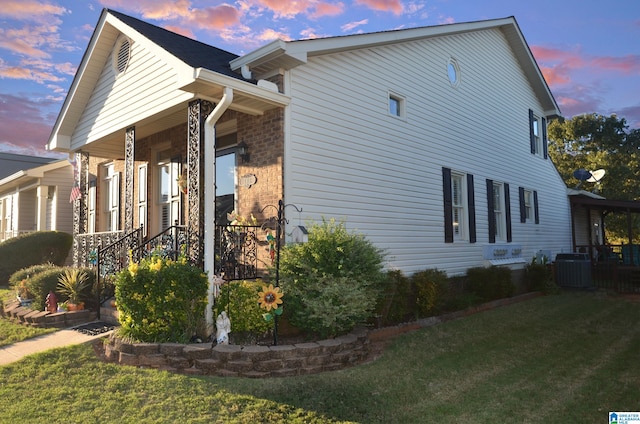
[{"x": 210, "y": 197}]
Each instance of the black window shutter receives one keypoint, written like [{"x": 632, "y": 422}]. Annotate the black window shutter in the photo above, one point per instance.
[
  {"x": 545, "y": 148},
  {"x": 507, "y": 212},
  {"x": 472, "y": 209},
  {"x": 532, "y": 137},
  {"x": 523, "y": 206},
  {"x": 491, "y": 213},
  {"x": 535, "y": 206},
  {"x": 448, "y": 205}
]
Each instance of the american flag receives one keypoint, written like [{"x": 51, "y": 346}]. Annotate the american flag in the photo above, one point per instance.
[{"x": 75, "y": 194}]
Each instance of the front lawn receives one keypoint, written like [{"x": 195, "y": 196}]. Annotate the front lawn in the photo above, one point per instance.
[
  {"x": 12, "y": 333},
  {"x": 555, "y": 359}
]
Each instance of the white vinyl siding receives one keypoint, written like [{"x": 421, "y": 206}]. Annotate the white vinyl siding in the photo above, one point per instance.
[
  {"x": 347, "y": 158},
  {"x": 147, "y": 86}
]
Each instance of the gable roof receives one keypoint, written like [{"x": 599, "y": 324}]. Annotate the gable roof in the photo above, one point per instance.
[
  {"x": 192, "y": 52},
  {"x": 289, "y": 54},
  {"x": 25, "y": 175}
]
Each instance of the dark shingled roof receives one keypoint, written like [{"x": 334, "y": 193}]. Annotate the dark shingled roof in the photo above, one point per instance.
[{"x": 192, "y": 52}]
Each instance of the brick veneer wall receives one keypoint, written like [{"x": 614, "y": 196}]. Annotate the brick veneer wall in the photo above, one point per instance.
[{"x": 243, "y": 361}]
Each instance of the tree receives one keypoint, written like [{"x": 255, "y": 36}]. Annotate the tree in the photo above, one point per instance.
[{"x": 593, "y": 141}]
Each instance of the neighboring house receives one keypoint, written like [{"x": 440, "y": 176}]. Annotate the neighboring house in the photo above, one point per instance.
[
  {"x": 10, "y": 163},
  {"x": 35, "y": 198},
  {"x": 430, "y": 141}
]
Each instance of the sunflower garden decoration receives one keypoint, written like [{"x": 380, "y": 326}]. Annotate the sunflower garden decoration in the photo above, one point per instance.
[{"x": 270, "y": 299}]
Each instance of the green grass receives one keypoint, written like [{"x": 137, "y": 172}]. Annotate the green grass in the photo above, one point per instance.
[
  {"x": 556, "y": 359},
  {"x": 12, "y": 333}
]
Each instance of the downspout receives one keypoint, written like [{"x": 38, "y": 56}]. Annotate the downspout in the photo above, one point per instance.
[{"x": 210, "y": 197}]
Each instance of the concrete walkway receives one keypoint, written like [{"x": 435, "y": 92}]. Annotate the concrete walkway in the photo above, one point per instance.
[{"x": 61, "y": 338}]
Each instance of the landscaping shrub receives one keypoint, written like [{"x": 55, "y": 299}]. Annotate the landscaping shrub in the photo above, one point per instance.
[
  {"x": 398, "y": 301},
  {"x": 240, "y": 300},
  {"x": 431, "y": 288},
  {"x": 39, "y": 280},
  {"x": 32, "y": 249},
  {"x": 40, "y": 284},
  {"x": 161, "y": 300},
  {"x": 332, "y": 282},
  {"x": 538, "y": 277},
  {"x": 490, "y": 283}
]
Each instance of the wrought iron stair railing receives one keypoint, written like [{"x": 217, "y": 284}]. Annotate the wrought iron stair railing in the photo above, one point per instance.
[
  {"x": 169, "y": 244},
  {"x": 236, "y": 251}
]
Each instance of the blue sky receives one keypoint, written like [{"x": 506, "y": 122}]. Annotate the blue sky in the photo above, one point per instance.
[{"x": 588, "y": 51}]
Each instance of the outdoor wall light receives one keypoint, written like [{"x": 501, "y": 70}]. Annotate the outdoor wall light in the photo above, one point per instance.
[{"x": 243, "y": 151}]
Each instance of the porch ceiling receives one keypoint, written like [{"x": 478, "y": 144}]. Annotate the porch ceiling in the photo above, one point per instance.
[
  {"x": 607, "y": 204},
  {"x": 112, "y": 146}
]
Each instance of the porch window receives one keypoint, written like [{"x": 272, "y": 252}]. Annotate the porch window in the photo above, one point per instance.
[
  {"x": 226, "y": 181},
  {"x": 169, "y": 194},
  {"x": 112, "y": 198},
  {"x": 142, "y": 198},
  {"x": 92, "y": 207}
]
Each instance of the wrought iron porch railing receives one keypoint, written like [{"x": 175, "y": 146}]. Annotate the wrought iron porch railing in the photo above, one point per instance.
[
  {"x": 169, "y": 244},
  {"x": 88, "y": 245},
  {"x": 236, "y": 252},
  {"x": 115, "y": 256}
]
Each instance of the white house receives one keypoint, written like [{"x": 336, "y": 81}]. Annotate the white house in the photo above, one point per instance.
[
  {"x": 430, "y": 141},
  {"x": 36, "y": 197}
]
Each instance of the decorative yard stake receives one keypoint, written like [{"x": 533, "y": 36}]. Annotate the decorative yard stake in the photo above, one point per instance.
[{"x": 280, "y": 222}]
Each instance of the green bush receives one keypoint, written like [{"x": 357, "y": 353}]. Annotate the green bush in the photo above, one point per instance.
[
  {"x": 160, "y": 300},
  {"x": 39, "y": 280},
  {"x": 431, "y": 288},
  {"x": 32, "y": 249},
  {"x": 332, "y": 282},
  {"x": 538, "y": 277},
  {"x": 240, "y": 300},
  {"x": 40, "y": 284},
  {"x": 398, "y": 301},
  {"x": 490, "y": 283}
]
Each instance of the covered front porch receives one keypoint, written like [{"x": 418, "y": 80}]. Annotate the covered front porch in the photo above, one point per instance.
[{"x": 614, "y": 265}]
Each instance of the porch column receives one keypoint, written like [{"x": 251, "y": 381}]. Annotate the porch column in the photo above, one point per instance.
[
  {"x": 42, "y": 192},
  {"x": 81, "y": 180},
  {"x": 129, "y": 152},
  {"x": 197, "y": 113}
]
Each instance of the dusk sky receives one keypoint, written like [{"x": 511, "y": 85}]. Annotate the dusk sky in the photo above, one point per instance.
[{"x": 588, "y": 51}]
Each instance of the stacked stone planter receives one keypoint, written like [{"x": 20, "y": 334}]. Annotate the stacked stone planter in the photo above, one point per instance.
[
  {"x": 243, "y": 361},
  {"x": 27, "y": 316}
]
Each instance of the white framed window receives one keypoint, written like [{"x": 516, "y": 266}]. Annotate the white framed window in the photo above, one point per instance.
[
  {"x": 453, "y": 72},
  {"x": 538, "y": 134},
  {"x": 142, "y": 198},
  {"x": 397, "y": 105},
  {"x": 458, "y": 202},
  {"x": 498, "y": 211},
  {"x": 112, "y": 197},
  {"x": 92, "y": 207},
  {"x": 528, "y": 205},
  {"x": 169, "y": 193}
]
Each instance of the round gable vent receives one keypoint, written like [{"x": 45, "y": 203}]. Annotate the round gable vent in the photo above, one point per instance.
[{"x": 123, "y": 54}]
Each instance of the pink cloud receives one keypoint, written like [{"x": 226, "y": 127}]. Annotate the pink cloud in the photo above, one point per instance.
[
  {"x": 327, "y": 9},
  {"x": 22, "y": 122},
  {"x": 218, "y": 17},
  {"x": 394, "y": 6},
  {"x": 30, "y": 10},
  {"x": 152, "y": 9}
]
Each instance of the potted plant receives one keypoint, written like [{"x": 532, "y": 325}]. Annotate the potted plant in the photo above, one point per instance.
[{"x": 74, "y": 283}]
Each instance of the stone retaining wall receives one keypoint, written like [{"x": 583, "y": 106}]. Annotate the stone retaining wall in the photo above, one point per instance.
[
  {"x": 243, "y": 361},
  {"x": 45, "y": 319}
]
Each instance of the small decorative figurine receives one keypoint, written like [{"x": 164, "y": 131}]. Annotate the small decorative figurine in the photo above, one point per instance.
[
  {"x": 223, "y": 328},
  {"x": 52, "y": 302}
]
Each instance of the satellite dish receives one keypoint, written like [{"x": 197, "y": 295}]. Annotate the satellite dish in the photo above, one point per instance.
[
  {"x": 596, "y": 176},
  {"x": 581, "y": 175}
]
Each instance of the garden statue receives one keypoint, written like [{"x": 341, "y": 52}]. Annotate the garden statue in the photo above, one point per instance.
[
  {"x": 223, "y": 328},
  {"x": 52, "y": 302}
]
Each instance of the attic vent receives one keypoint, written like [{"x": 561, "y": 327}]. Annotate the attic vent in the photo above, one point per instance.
[{"x": 121, "y": 60}]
